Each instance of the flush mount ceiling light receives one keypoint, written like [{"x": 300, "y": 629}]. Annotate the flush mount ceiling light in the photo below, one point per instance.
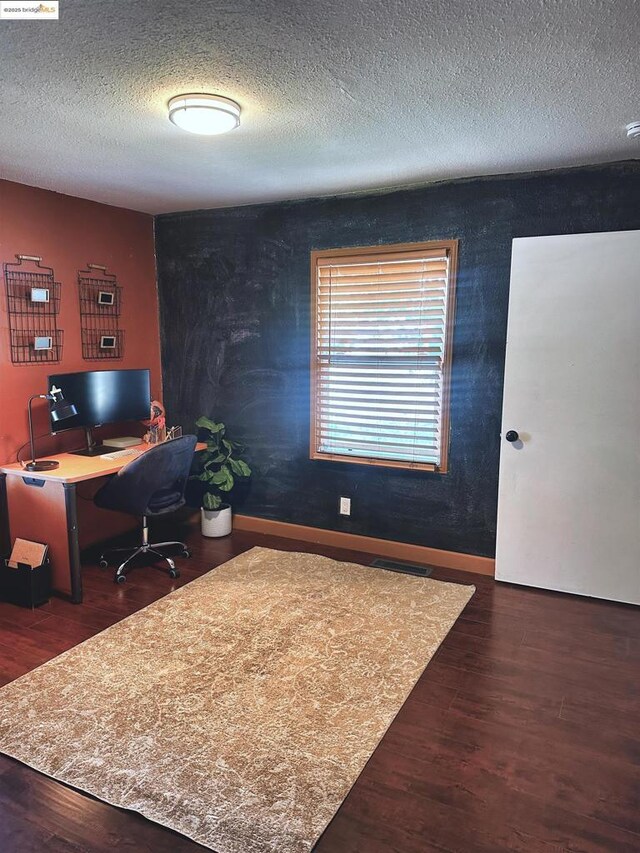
[
  {"x": 633, "y": 129},
  {"x": 204, "y": 114}
]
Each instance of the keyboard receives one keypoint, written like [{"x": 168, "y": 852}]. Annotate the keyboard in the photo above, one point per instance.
[{"x": 120, "y": 454}]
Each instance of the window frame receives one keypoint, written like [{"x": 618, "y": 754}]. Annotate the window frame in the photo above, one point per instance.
[{"x": 366, "y": 253}]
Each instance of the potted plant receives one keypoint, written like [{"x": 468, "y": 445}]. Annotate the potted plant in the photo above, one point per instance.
[{"x": 218, "y": 467}]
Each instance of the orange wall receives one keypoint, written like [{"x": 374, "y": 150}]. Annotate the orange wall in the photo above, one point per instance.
[{"x": 69, "y": 233}]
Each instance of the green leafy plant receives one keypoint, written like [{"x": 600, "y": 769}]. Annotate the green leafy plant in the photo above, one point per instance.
[{"x": 220, "y": 464}]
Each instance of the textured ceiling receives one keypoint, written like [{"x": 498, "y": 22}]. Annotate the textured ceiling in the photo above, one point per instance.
[{"x": 337, "y": 95}]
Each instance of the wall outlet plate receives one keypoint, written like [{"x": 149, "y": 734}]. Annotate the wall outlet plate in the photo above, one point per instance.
[{"x": 345, "y": 506}]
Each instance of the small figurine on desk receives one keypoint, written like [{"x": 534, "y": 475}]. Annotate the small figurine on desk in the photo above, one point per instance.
[{"x": 157, "y": 424}]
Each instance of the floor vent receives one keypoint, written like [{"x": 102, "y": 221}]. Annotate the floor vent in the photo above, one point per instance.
[{"x": 405, "y": 568}]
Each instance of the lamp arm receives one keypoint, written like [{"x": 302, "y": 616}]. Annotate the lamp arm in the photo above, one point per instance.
[{"x": 31, "y": 439}]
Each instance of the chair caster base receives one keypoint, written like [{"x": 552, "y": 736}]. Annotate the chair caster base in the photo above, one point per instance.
[{"x": 149, "y": 549}]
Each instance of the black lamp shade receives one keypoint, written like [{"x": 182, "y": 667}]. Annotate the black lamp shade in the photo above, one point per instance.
[{"x": 61, "y": 410}]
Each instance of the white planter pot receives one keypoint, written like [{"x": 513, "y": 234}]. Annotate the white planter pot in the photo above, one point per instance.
[{"x": 216, "y": 522}]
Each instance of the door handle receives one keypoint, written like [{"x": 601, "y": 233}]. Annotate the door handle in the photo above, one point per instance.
[{"x": 512, "y": 435}]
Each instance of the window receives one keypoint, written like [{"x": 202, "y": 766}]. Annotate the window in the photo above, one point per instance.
[{"x": 380, "y": 364}]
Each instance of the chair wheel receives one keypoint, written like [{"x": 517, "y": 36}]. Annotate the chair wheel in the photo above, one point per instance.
[
  {"x": 186, "y": 552},
  {"x": 174, "y": 573},
  {"x": 103, "y": 564},
  {"x": 120, "y": 578}
]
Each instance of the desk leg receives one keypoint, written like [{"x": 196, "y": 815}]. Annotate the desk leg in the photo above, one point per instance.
[
  {"x": 5, "y": 538},
  {"x": 71, "y": 508}
]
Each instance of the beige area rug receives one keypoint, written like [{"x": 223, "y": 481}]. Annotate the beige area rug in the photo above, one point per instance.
[{"x": 240, "y": 709}]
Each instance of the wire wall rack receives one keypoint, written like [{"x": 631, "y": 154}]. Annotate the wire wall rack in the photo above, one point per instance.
[
  {"x": 100, "y": 308},
  {"x": 33, "y": 305}
]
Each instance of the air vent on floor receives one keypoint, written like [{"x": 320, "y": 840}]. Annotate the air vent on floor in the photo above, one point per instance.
[{"x": 405, "y": 568}]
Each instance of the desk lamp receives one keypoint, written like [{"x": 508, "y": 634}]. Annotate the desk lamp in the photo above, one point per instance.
[{"x": 60, "y": 410}]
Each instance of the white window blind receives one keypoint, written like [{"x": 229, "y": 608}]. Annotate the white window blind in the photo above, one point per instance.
[{"x": 380, "y": 370}]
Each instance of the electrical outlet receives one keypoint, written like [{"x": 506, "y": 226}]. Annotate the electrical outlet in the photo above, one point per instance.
[{"x": 345, "y": 506}]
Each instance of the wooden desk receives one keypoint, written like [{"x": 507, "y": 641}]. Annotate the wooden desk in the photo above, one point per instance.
[{"x": 43, "y": 507}]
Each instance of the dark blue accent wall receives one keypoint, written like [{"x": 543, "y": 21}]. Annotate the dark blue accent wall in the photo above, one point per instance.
[{"x": 235, "y": 325}]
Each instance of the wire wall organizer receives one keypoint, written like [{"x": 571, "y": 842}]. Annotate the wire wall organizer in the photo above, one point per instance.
[
  {"x": 33, "y": 305},
  {"x": 100, "y": 307}
]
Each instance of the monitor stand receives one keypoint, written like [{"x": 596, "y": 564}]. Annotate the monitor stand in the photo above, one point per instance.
[{"x": 93, "y": 449}]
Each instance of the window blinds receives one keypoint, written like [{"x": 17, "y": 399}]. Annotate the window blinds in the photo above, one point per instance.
[{"x": 381, "y": 353}]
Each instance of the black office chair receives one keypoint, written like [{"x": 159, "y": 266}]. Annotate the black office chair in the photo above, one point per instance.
[{"x": 151, "y": 485}]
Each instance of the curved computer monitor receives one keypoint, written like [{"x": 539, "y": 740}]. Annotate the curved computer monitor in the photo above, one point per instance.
[{"x": 103, "y": 397}]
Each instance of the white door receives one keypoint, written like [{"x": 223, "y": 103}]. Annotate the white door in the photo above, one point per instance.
[{"x": 569, "y": 493}]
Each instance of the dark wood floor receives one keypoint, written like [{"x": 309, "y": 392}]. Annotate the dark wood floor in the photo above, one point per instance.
[{"x": 523, "y": 734}]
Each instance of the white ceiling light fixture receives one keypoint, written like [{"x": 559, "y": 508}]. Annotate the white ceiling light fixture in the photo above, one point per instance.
[
  {"x": 633, "y": 129},
  {"x": 204, "y": 114}
]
